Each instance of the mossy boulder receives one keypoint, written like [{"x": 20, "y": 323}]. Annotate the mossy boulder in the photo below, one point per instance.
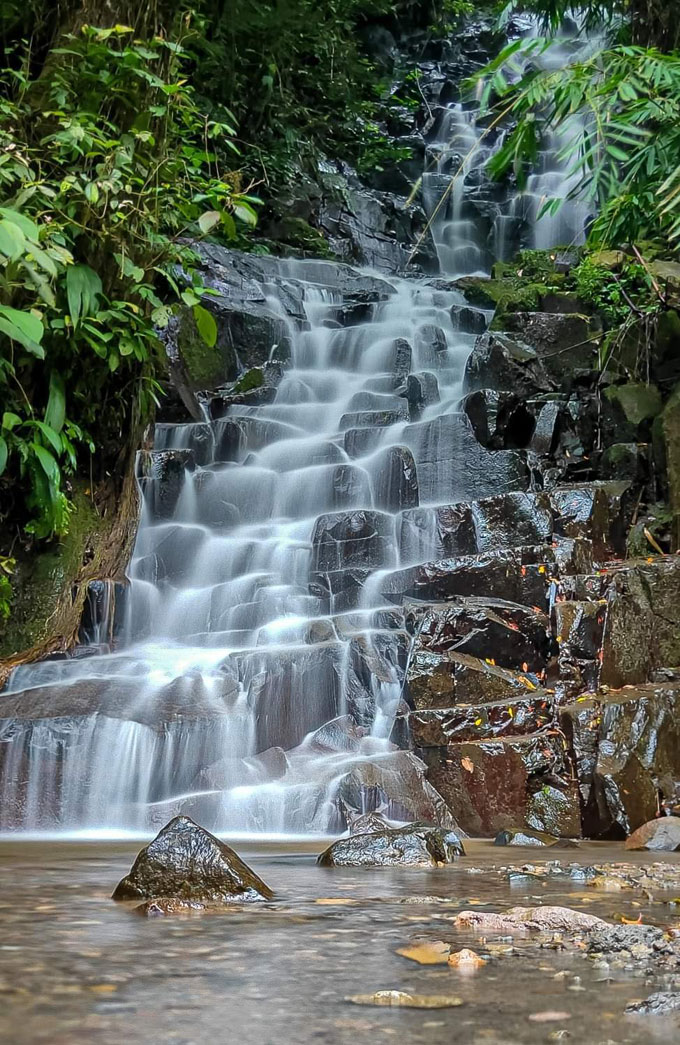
[
  {"x": 639, "y": 402},
  {"x": 205, "y": 366},
  {"x": 50, "y": 584},
  {"x": 667, "y": 274},
  {"x": 247, "y": 382},
  {"x": 296, "y": 232},
  {"x": 504, "y": 295},
  {"x": 671, "y": 437}
]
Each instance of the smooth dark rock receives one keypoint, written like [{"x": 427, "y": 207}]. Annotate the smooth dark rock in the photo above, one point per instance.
[
  {"x": 500, "y": 420},
  {"x": 359, "y": 538},
  {"x": 414, "y": 845},
  {"x": 186, "y": 862}
]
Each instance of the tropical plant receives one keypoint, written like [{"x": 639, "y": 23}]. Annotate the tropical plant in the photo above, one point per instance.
[
  {"x": 107, "y": 163},
  {"x": 619, "y": 112}
]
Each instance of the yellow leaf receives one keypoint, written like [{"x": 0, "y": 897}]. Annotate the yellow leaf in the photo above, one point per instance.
[{"x": 467, "y": 763}]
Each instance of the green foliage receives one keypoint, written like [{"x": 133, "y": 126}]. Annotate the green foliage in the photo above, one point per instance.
[
  {"x": 106, "y": 162},
  {"x": 299, "y": 79},
  {"x": 614, "y": 294},
  {"x": 619, "y": 110},
  {"x": 6, "y": 570}
]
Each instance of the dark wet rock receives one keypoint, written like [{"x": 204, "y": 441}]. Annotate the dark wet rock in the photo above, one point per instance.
[
  {"x": 395, "y": 479},
  {"x": 487, "y": 783},
  {"x": 414, "y": 845},
  {"x": 642, "y": 626},
  {"x": 506, "y": 363},
  {"x": 556, "y": 811},
  {"x": 421, "y": 390},
  {"x": 500, "y": 420},
  {"x": 188, "y": 863},
  {"x": 515, "y": 634},
  {"x": 520, "y": 575},
  {"x": 514, "y": 716},
  {"x": 551, "y": 422},
  {"x": 468, "y": 320},
  {"x": 627, "y": 753},
  {"x": 564, "y": 341},
  {"x": 163, "y": 906},
  {"x": 512, "y": 520},
  {"x": 367, "y": 823},
  {"x": 613, "y": 939},
  {"x": 359, "y": 538},
  {"x": 394, "y": 785},
  {"x": 661, "y": 1003},
  {"x": 527, "y": 837},
  {"x": 662, "y": 834},
  {"x": 597, "y": 511},
  {"x": 439, "y": 680}
]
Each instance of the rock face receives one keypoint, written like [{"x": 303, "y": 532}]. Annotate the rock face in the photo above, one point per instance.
[
  {"x": 186, "y": 863},
  {"x": 662, "y": 835},
  {"x": 415, "y": 845}
]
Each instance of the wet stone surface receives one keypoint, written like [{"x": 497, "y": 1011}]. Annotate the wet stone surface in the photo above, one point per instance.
[{"x": 76, "y": 968}]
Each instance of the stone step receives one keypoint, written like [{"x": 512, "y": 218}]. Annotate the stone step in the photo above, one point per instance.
[
  {"x": 518, "y": 637},
  {"x": 479, "y": 722}
]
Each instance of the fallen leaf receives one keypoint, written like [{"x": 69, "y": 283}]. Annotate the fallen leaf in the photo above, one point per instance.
[
  {"x": 104, "y": 988},
  {"x": 468, "y": 764},
  {"x": 466, "y": 959},
  {"x": 429, "y": 952}
]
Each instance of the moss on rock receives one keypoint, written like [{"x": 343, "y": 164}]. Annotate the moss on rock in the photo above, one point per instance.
[
  {"x": 639, "y": 402},
  {"x": 671, "y": 435},
  {"x": 204, "y": 366},
  {"x": 253, "y": 378}
]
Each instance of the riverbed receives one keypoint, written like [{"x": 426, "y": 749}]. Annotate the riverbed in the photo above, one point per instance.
[{"x": 76, "y": 967}]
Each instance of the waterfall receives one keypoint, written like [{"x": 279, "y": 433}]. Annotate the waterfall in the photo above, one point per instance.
[
  {"x": 257, "y": 659},
  {"x": 476, "y": 222},
  {"x": 255, "y": 614}
]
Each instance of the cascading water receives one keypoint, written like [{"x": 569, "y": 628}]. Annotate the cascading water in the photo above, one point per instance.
[
  {"x": 260, "y": 655},
  {"x": 252, "y": 618},
  {"x": 475, "y": 222}
]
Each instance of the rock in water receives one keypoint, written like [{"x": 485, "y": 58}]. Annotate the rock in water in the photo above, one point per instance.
[
  {"x": 415, "y": 845},
  {"x": 538, "y": 919},
  {"x": 184, "y": 862},
  {"x": 526, "y": 836},
  {"x": 662, "y": 835},
  {"x": 659, "y": 1004}
]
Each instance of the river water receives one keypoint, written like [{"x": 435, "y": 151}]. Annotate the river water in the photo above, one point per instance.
[{"x": 77, "y": 968}]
